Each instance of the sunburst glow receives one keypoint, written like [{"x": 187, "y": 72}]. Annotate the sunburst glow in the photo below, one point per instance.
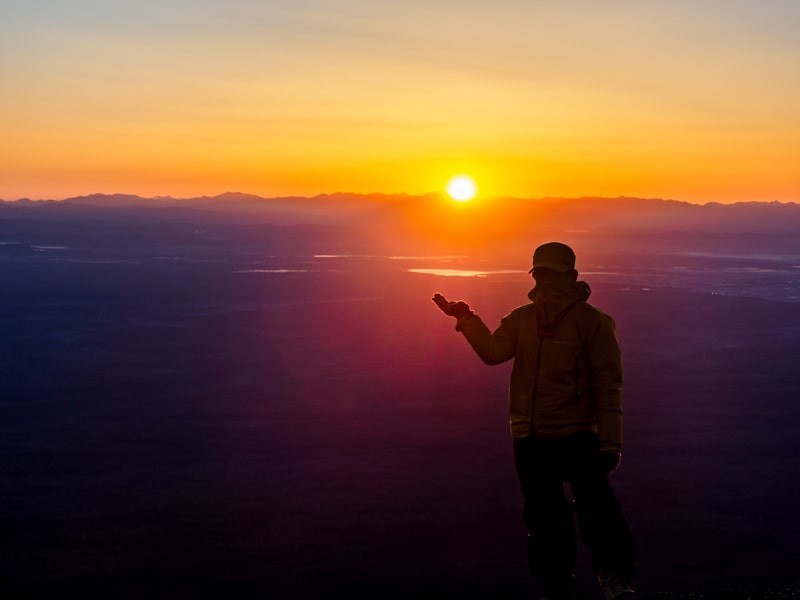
[{"x": 462, "y": 188}]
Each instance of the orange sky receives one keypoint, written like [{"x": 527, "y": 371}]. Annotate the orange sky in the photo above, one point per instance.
[{"x": 685, "y": 100}]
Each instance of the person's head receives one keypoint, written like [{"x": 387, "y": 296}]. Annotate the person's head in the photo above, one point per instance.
[{"x": 554, "y": 265}]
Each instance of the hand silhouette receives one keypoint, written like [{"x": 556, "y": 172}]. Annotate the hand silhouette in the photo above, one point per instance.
[
  {"x": 609, "y": 461},
  {"x": 452, "y": 309}
]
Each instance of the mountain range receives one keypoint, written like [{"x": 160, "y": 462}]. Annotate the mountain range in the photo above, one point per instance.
[
  {"x": 623, "y": 213},
  {"x": 405, "y": 224}
]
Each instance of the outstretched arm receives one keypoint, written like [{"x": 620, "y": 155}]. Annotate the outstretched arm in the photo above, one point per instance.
[
  {"x": 492, "y": 347},
  {"x": 458, "y": 309}
]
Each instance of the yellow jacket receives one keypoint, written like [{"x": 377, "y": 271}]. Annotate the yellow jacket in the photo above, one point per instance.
[{"x": 567, "y": 379}]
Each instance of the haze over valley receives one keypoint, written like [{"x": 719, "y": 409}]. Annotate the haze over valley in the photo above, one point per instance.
[{"x": 254, "y": 396}]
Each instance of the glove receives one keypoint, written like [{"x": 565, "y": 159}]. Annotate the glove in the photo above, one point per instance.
[
  {"x": 452, "y": 309},
  {"x": 609, "y": 461}
]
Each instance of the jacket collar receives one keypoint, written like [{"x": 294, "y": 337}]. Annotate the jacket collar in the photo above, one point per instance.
[{"x": 552, "y": 305}]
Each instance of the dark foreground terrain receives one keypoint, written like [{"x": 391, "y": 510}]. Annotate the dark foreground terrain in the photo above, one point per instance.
[{"x": 217, "y": 420}]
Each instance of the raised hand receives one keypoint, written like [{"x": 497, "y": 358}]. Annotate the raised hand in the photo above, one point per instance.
[{"x": 452, "y": 309}]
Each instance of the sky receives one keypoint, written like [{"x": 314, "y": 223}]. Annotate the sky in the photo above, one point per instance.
[{"x": 688, "y": 100}]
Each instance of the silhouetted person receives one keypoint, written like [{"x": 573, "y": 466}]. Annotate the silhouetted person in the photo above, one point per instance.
[{"x": 566, "y": 422}]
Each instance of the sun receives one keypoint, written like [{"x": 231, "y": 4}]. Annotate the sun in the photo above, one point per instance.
[{"x": 462, "y": 188}]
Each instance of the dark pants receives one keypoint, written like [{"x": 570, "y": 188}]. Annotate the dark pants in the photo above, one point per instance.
[{"x": 543, "y": 465}]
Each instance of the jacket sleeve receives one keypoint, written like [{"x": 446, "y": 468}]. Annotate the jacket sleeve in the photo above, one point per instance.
[
  {"x": 495, "y": 347},
  {"x": 605, "y": 364}
]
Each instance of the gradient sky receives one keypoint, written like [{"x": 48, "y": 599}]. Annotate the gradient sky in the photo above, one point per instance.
[{"x": 692, "y": 100}]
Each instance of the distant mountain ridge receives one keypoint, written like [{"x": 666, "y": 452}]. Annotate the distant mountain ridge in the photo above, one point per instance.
[{"x": 503, "y": 216}]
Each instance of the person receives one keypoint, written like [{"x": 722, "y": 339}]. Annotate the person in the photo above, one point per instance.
[{"x": 565, "y": 415}]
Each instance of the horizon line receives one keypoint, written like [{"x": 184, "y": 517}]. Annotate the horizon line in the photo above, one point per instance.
[{"x": 375, "y": 194}]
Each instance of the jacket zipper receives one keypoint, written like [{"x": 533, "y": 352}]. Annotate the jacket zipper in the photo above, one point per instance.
[{"x": 535, "y": 385}]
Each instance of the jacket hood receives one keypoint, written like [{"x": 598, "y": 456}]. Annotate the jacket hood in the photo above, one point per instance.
[
  {"x": 551, "y": 304},
  {"x": 575, "y": 292}
]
